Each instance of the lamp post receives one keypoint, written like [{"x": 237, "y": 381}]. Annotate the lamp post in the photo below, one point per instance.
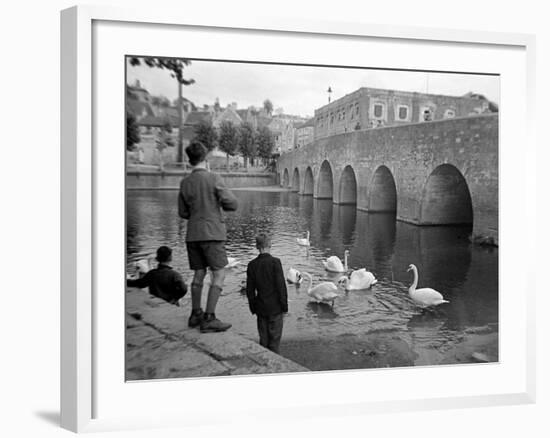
[{"x": 329, "y": 91}]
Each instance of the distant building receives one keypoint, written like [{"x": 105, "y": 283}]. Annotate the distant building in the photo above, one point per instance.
[
  {"x": 305, "y": 133},
  {"x": 138, "y": 92},
  {"x": 368, "y": 108},
  {"x": 226, "y": 115},
  {"x": 139, "y": 109}
]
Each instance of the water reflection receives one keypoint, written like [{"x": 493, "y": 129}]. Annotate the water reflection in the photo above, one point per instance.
[{"x": 465, "y": 275}]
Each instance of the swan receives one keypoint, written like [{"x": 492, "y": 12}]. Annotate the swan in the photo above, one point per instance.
[
  {"x": 231, "y": 262},
  {"x": 143, "y": 266},
  {"x": 294, "y": 276},
  {"x": 322, "y": 293},
  {"x": 334, "y": 264},
  {"x": 425, "y": 297},
  {"x": 302, "y": 241},
  {"x": 359, "y": 279}
]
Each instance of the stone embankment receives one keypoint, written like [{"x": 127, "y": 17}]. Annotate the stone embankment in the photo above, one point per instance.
[
  {"x": 153, "y": 179},
  {"x": 159, "y": 345}
]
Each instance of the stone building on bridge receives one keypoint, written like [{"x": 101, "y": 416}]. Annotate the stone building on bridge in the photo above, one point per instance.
[{"x": 372, "y": 108}]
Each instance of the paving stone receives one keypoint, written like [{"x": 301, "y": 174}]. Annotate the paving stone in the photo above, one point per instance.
[{"x": 160, "y": 346}]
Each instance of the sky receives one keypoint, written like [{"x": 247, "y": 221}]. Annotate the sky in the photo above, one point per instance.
[{"x": 299, "y": 90}]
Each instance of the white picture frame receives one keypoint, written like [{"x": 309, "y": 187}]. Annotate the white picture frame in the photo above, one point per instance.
[{"x": 83, "y": 364}]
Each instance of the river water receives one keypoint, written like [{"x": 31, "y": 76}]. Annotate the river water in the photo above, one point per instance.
[{"x": 379, "y": 327}]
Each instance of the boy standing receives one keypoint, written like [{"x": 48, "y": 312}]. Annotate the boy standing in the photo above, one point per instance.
[
  {"x": 163, "y": 282},
  {"x": 201, "y": 200},
  {"x": 266, "y": 292}
]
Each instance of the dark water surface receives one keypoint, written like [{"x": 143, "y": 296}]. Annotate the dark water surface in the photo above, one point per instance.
[{"x": 373, "y": 328}]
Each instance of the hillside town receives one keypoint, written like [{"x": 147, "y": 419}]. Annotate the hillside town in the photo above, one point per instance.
[
  {"x": 256, "y": 135},
  {"x": 157, "y": 117}
]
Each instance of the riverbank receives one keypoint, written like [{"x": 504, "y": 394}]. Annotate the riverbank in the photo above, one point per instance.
[
  {"x": 391, "y": 349},
  {"x": 153, "y": 179},
  {"x": 159, "y": 345}
]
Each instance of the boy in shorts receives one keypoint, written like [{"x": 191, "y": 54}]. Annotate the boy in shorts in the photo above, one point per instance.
[
  {"x": 202, "y": 198},
  {"x": 267, "y": 295}
]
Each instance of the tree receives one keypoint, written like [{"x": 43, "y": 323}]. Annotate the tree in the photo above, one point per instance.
[
  {"x": 228, "y": 140},
  {"x": 164, "y": 140},
  {"x": 266, "y": 143},
  {"x": 175, "y": 66},
  {"x": 206, "y": 134},
  {"x": 247, "y": 142},
  {"x": 268, "y": 106},
  {"x": 132, "y": 131}
]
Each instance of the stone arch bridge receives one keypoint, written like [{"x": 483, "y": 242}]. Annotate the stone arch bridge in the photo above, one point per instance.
[{"x": 433, "y": 173}]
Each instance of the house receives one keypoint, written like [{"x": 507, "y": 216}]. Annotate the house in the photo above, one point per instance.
[
  {"x": 304, "y": 133},
  {"x": 139, "y": 109},
  {"x": 368, "y": 108}
]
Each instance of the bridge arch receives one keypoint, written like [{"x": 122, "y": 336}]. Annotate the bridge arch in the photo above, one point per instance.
[
  {"x": 285, "y": 178},
  {"x": 296, "y": 180},
  {"x": 383, "y": 193},
  {"x": 446, "y": 198},
  {"x": 348, "y": 187},
  {"x": 324, "y": 182},
  {"x": 308, "y": 182}
]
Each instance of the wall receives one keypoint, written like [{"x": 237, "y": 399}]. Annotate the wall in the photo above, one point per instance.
[
  {"x": 435, "y": 167},
  {"x": 136, "y": 180}
]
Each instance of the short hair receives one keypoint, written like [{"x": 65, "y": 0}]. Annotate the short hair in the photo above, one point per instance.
[
  {"x": 164, "y": 254},
  {"x": 263, "y": 241},
  {"x": 196, "y": 152}
]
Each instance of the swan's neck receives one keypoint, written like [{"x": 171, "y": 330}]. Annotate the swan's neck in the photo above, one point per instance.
[
  {"x": 307, "y": 235},
  {"x": 415, "y": 281},
  {"x": 346, "y": 261},
  {"x": 310, "y": 282}
]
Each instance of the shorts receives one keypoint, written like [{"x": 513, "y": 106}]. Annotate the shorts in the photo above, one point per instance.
[{"x": 206, "y": 254}]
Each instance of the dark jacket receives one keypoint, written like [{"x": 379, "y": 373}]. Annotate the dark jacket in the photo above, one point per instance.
[
  {"x": 202, "y": 198},
  {"x": 265, "y": 286},
  {"x": 163, "y": 282}
]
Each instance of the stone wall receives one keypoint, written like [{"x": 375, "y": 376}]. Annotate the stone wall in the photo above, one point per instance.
[
  {"x": 171, "y": 179},
  {"x": 435, "y": 173}
]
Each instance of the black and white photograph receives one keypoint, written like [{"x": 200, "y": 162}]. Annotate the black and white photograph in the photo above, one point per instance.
[{"x": 296, "y": 218}]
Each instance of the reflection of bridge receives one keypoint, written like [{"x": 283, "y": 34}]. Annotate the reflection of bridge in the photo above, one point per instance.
[{"x": 433, "y": 173}]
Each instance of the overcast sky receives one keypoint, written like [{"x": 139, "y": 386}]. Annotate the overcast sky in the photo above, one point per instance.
[{"x": 299, "y": 90}]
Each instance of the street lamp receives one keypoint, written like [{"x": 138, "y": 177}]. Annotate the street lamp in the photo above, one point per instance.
[{"x": 329, "y": 91}]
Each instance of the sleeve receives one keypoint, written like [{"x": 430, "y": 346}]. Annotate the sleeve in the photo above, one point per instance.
[
  {"x": 281, "y": 285},
  {"x": 183, "y": 207},
  {"x": 140, "y": 282},
  {"x": 226, "y": 198},
  {"x": 250, "y": 289}
]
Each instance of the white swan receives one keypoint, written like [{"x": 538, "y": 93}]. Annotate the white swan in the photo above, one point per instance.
[
  {"x": 334, "y": 264},
  {"x": 358, "y": 280},
  {"x": 425, "y": 297},
  {"x": 303, "y": 242},
  {"x": 231, "y": 262},
  {"x": 143, "y": 266},
  {"x": 294, "y": 276},
  {"x": 325, "y": 292}
]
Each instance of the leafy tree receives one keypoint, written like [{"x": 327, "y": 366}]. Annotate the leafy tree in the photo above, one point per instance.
[
  {"x": 132, "y": 131},
  {"x": 228, "y": 140},
  {"x": 247, "y": 142},
  {"x": 164, "y": 140},
  {"x": 175, "y": 66},
  {"x": 266, "y": 143},
  {"x": 268, "y": 106},
  {"x": 206, "y": 134}
]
